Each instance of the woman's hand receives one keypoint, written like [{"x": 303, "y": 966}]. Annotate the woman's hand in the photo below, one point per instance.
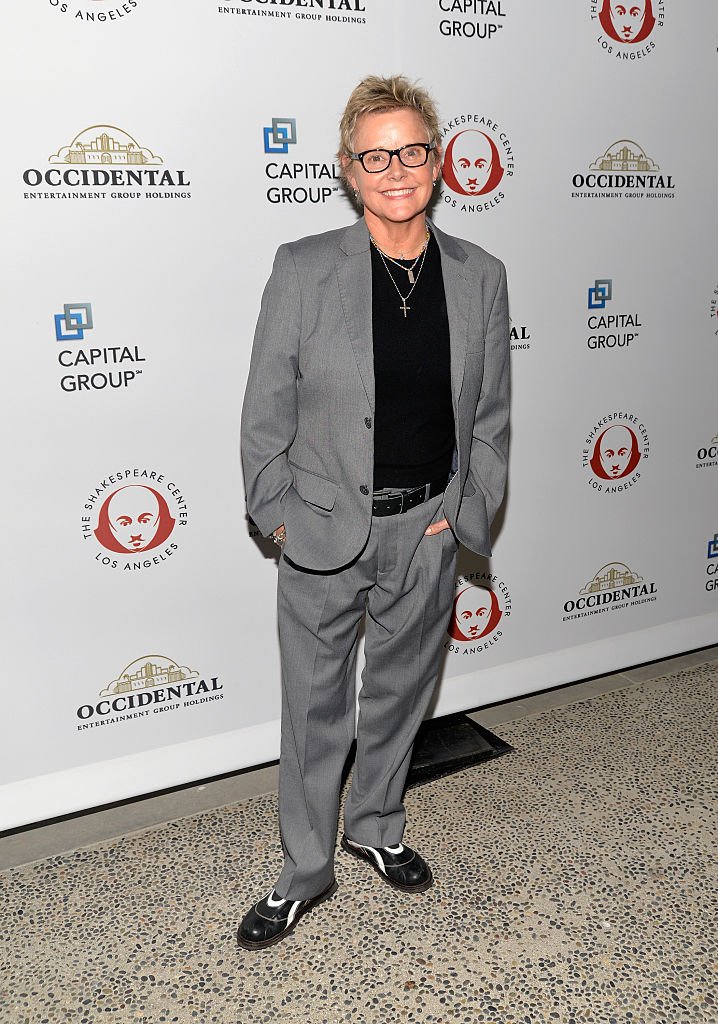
[{"x": 439, "y": 527}]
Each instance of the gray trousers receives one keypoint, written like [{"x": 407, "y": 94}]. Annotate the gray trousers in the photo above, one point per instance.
[{"x": 405, "y": 583}]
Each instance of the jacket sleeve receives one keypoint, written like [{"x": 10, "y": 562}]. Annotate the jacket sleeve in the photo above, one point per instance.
[
  {"x": 489, "y": 448},
  {"x": 269, "y": 412}
]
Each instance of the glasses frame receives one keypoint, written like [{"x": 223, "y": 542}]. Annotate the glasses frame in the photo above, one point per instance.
[{"x": 391, "y": 153}]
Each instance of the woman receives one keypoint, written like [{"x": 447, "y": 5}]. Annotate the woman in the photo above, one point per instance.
[{"x": 374, "y": 434}]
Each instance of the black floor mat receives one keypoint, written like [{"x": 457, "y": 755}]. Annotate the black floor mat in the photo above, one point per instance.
[{"x": 450, "y": 744}]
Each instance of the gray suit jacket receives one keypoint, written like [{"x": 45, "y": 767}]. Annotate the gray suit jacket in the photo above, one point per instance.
[{"x": 307, "y": 420}]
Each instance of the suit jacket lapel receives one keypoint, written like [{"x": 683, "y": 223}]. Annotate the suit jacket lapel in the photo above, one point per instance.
[
  {"x": 354, "y": 275},
  {"x": 458, "y": 298}
]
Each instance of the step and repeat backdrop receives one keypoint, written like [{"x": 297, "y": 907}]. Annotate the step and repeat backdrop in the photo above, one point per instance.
[{"x": 156, "y": 154}]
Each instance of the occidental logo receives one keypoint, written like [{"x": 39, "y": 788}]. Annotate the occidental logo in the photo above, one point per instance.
[
  {"x": 341, "y": 12},
  {"x": 707, "y": 455},
  {"x": 614, "y": 587},
  {"x": 623, "y": 171},
  {"x": 150, "y": 685},
  {"x": 105, "y": 162}
]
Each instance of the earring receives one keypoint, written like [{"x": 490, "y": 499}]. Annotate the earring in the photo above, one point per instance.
[{"x": 433, "y": 184}]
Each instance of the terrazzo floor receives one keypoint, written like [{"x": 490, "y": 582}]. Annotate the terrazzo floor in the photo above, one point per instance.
[{"x": 576, "y": 882}]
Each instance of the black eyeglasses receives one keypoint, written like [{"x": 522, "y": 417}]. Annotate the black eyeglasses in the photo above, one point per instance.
[{"x": 375, "y": 160}]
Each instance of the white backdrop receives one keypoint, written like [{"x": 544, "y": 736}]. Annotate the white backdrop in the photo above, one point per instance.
[{"x": 144, "y": 198}]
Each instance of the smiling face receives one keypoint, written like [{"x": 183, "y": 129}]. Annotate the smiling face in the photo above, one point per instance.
[
  {"x": 399, "y": 194},
  {"x": 616, "y": 448},
  {"x": 628, "y": 18},
  {"x": 134, "y": 514}
]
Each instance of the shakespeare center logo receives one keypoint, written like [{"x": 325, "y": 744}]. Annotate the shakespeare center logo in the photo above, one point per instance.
[
  {"x": 472, "y": 19},
  {"x": 712, "y": 565},
  {"x": 606, "y": 327},
  {"x": 707, "y": 455},
  {"x": 624, "y": 171},
  {"x": 149, "y": 686},
  {"x": 478, "y": 161},
  {"x": 614, "y": 451},
  {"x": 615, "y": 587},
  {"x": 132, "y": 519},
  {"x": 104, "y": 162},
  {"x": 625, "y": 31},
  {"x": 294, "y": 181},
  {"x": 482, "y": 603},
  {"x": 94, "y": 368},
  {"x": 95, "y": 11},
  {"x": 308, "y": 12}
]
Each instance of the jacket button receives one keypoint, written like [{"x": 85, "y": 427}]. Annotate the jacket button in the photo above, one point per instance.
[
  {"x": 364, "y": 489},
  {"x": 367, "y": 422}
]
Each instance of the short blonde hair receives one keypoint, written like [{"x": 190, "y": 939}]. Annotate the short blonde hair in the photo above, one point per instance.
[{"x": 375, "y": 95}]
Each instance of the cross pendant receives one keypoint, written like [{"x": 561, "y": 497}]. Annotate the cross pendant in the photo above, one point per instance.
[{"x": 405, "y": 307}]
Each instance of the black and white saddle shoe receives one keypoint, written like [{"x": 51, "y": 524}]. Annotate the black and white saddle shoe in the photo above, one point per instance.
[
  {"x": 398, "y": 865},
  {"x": 273, "y": 918}
]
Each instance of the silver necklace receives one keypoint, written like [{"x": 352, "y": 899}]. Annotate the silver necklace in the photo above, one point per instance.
[{"x": 410, "y": 270}]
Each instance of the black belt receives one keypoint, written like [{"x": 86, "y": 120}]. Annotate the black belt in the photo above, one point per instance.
[{"x": 405, "y": 498}]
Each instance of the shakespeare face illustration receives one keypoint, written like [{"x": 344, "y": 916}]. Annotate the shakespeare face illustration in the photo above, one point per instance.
[
  {"x": 476, "y": 613},
  {"x": 629, "y": 22},
  {"x": 134, "y": 515},
  {"x": 472, "y": 166},
  {"x": 134, "y": 518},
  {"x": 615, "y": 453}
]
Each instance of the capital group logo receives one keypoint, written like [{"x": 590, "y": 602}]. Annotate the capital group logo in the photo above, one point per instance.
[
  {"x": 623, "y": 171},
  {"x": 92, "y": 369},
  {"x": 295, "y": 182},
  {"x": 608, "y": 330},
  {"x": 625, "y": 30},
  {"x": 707, "y": 454},
  {"x": 478, "y": 161},
  {"x": 133, "y": 519},
  {"x": 95, "y": 11},
  {"x": 712, "y": 565},
  {"x": 472, "y": 19},
  {"x": 614, "y": 451},
  {"x": 308, "y": 12},
  {"x": 150, "y": 685},
  {"x": 105, "y": 162},
  {"x": 615, "y": 587},
  {"x": 482, "y": 604}
]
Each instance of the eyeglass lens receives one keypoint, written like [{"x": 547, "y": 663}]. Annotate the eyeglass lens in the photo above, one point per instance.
[{"x": 379, "y": 159}]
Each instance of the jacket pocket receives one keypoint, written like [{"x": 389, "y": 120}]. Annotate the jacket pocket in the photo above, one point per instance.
[{"x": 317, "y": 490}]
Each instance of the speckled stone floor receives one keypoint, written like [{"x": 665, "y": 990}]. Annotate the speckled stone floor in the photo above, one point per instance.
[{"x": 577, "y": 882}]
